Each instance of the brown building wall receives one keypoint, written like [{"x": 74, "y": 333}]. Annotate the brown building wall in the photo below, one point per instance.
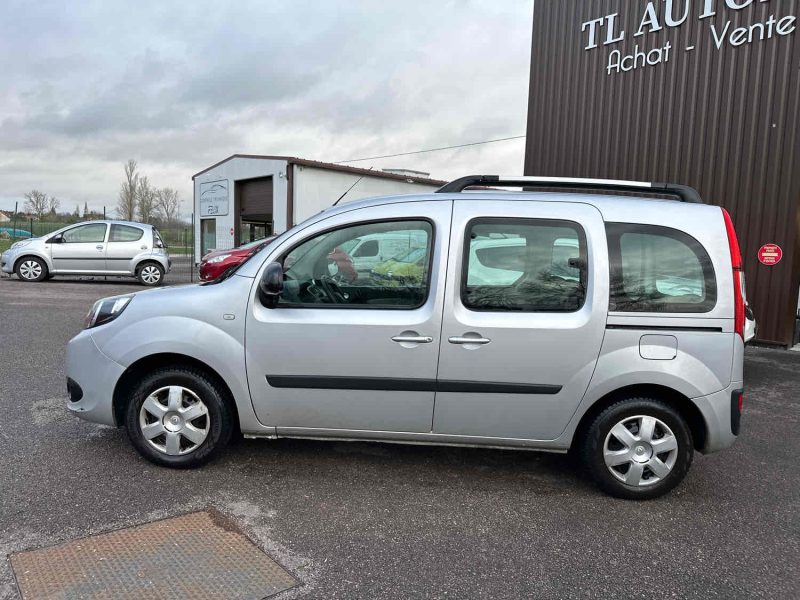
[{"x": 723, "y": 120}]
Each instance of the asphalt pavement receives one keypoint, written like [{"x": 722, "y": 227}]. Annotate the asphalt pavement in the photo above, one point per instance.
[{"x": 362, "y": 520}]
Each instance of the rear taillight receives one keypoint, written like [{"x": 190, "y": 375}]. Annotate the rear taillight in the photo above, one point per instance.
[
  {"x": 737, "y": 404},
  {"x": 738, "y": 276}
]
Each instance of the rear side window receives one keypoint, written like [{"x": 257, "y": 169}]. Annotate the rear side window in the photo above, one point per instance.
[
  {"x": 659, "y": 269},
  {"x": 525, "y": 265},
  {"x": 125, "y": 233}
]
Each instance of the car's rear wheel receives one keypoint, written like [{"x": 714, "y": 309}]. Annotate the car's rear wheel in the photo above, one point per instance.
[
  {"x": 638, "y": 448},
  {"x": 150, "y": 274},
  {"x": 31, "y": 268},
  {"x": 177, "y": 417}
]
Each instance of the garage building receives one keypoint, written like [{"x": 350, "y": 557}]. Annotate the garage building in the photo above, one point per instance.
[
  {"x": 248, "y": 197},
  {"x": 700, "y": 92}
]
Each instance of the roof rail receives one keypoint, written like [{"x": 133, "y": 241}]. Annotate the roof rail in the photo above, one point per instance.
[{"x": 683, "y": 192}]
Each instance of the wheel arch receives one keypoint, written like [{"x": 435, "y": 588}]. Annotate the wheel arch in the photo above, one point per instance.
[
  {"x": 680, "y": 402},
  {"x": 148, "y": 259},
  {"x": 137, "y": 369},
  {"x": 38, "y": 255}
]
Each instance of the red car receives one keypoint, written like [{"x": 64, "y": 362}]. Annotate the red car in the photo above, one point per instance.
[{"x": 216, "y": 262}]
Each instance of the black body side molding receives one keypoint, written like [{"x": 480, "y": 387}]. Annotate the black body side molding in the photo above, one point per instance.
[{"x": 391, "y": 384}]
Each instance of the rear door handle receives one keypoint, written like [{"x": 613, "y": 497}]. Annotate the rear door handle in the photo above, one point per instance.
[
  {"x": 412, "y": 339},
  {"x": 468, "y": 340}
]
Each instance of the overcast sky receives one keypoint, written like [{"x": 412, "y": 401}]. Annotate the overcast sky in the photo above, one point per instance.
[{"x": 179, "y": 86}]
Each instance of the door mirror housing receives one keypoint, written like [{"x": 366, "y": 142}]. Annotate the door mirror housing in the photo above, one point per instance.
[
  {"x": 56, "y": 239},
  {"x": 271, "y": 284}
]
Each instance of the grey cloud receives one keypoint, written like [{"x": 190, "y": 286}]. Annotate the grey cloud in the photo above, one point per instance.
[{"x": 179, "y": 86}]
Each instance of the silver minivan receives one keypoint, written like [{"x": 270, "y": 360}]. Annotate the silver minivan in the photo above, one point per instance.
[
  {"x": 596, "y": 318},
  {"x": 91, "y": 248}
]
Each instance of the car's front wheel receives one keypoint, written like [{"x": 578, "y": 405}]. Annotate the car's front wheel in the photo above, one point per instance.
[
  {"x": 31, "y": 268},
  {"x": 150, "y": 274},
  {"x": 177, "y": 417},
  {"x": 638, "y": 448}
]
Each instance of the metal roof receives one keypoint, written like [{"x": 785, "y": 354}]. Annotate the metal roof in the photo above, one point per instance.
[{"x": 330, "y": 167}]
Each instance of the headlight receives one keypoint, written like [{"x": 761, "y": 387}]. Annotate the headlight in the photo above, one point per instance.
[
  {"x": 218, "y": 259},
  {"x": 19, "y": 244},
  {"x": 106, "y": 310}
]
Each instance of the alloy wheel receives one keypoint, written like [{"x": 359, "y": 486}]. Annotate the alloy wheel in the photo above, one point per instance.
[
  {"x": 30, "y": 269},
  {"x": 640, "y": 451},
  {"x": 174, "y": 420}
]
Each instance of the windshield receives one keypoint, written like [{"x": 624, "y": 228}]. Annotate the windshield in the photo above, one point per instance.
[{"x": 253, "y": 244}]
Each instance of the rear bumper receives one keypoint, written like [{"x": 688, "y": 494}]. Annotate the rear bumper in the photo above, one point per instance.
[
  {"x": 720, "y": 417},
  {"x": 96, "y": 376}
]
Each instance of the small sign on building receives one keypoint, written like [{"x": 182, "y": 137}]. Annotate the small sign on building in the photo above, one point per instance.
[
  {"x": 214, "y": 198},
  {"x": 770, "y": 254}
]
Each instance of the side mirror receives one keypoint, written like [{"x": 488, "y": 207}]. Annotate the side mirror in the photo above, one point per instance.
[
  {"x": 55, "y": 240},
  {"x": 271, "y": 284}
]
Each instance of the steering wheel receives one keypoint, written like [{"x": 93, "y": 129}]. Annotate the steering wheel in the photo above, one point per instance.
[{"x": 332, "y": 289}]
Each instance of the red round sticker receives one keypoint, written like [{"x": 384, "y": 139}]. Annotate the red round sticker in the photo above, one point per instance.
[
  {"x": 770, "y": 254},
  {"x": 231, "y": 230}
]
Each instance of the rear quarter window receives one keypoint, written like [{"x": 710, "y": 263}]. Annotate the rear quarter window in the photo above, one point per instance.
[
  {"x": 125, "y": 233},
  {"x": 659, "y": 269}
]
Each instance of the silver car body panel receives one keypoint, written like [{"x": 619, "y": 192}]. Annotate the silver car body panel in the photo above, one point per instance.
[
  {"x": 91, "y": 258},
  {"x": 204, "y": 323},
  {"x": 589, "y": 353},
  {"x": 327, "y": 342},
  {"x": 546, "y": 348}
]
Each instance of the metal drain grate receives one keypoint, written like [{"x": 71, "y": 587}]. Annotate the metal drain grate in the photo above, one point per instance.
[{"x": 201, "y": 555}]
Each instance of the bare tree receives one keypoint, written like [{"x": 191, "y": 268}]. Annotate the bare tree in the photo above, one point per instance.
[
  {"x": 85, "y": 209},
  {"x": 145, "y": 200},
  {"x": 37, "y": 203},
  {"x": 168, "y": 204},
  {"x": 53, "y": 204},
  {"x": 126, "y": 204}
]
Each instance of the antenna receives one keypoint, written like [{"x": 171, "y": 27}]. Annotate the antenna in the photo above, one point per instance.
[{"x": 350, "y": 188}]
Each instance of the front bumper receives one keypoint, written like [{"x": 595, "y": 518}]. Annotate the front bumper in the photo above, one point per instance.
[
  {"x": 718, "y": 415},
  {"x": 96, "y": 375},
  {"x": 7, "y": 262}
]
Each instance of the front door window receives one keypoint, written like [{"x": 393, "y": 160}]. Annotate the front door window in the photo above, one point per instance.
[{"x": 321, "y": 272}]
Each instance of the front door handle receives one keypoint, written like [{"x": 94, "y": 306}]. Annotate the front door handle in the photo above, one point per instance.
[
  {"x": 469, "y": 340},
  {"x": 99, "y": 247},
  {"x": 412, "y": 339}
]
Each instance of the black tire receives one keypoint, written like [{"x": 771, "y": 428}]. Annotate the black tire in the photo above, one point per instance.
[
  {"x": 23, "y": 269},
  {"x": 220, "y": 419},
  {"x": 594, "y": 445},
  {"x": 145, "y": 272}
]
